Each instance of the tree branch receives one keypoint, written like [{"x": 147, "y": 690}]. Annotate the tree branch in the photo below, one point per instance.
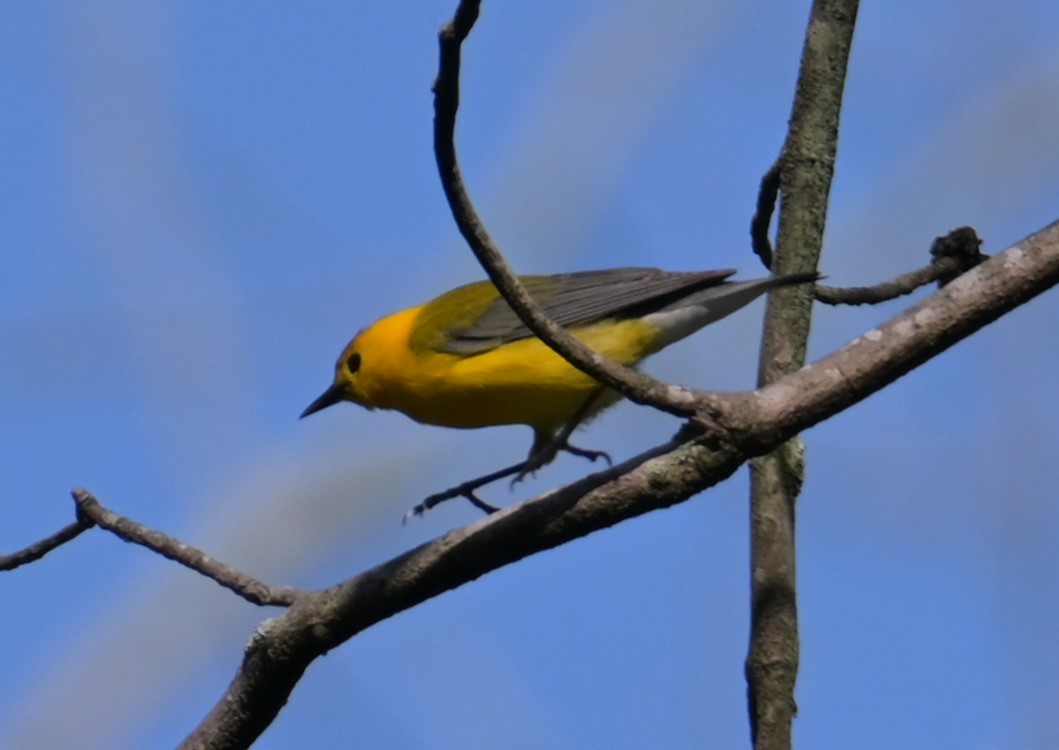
[
  {"x": 899, "y": 286},
  {"x": 630, "y": 383},
  {"x": 806, "y": 168},
  {"x": 247, "y": 587},
  {"x": 952, "y": 254},
  {"x": 319, "y": 621},
  {"x": 37, "y": 550}
]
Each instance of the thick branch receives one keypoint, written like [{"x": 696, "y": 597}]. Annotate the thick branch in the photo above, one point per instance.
[
  {"x": 245, "y": 586},
  {"x": 923, "y": 331},
  {"x": 320, "y": 621},
  {"x": 806, "y": 168},
  {"x": 633, "y": 385}
]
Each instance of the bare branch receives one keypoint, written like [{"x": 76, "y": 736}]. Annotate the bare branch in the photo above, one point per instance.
[
  {"x": 630, "y": 383},
  {"x": 953, "y": 254},
  {"x": 249, "y": 588},
  {"x": 37, "y": 550},
  {"x": 806, "y": 168},
  {"x": 885, "y": 291},
  {"x": 317, "y": 622},
  {"x": 963, "y": 253}
]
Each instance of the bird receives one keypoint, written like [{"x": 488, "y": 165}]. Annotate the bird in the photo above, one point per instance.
[{"x": 465, "y": 359}]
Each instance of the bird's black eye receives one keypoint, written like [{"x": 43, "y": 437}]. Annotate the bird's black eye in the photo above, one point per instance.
[{"x": 353, "y": 362}]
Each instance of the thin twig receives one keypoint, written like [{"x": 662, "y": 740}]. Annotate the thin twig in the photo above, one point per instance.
[
  {"x": 630, "y": 383},
  {"x": 885, "y": 291},
  {"x": 234, "y": 580},
  {"x": 37, "y": 550},
  {"x": 953, "y": 254}
]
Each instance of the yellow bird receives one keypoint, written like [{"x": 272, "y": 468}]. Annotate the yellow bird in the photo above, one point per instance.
[{"x": 465, "y": 359}]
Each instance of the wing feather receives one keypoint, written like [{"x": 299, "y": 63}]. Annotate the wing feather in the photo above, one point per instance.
[{"x": 582, "y": 298}]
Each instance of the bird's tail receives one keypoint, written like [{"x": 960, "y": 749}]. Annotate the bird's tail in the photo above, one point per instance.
[
  {"x": 796, "y": 278},
  {"x": 688, "y": 314}
]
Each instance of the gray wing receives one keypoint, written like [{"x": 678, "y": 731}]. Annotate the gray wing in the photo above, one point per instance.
[{"x": 581, "y": 298}]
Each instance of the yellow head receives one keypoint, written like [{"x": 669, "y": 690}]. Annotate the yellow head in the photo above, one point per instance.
[
  {"x": 345, "y": 386},
  {"x": 373, "y": 368}
]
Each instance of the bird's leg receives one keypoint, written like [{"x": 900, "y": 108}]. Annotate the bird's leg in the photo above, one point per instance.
[
  {"x": 546, "y": 447},
  {"x": 466, "y": 490}
]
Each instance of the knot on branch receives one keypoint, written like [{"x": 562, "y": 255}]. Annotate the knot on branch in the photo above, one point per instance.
[{"x": 955, "y": 253}]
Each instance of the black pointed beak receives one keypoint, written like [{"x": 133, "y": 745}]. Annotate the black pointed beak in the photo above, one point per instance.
[{"x": 330, "y": 397}]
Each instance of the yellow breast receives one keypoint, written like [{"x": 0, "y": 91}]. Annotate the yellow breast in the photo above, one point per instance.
[{"x": 522, "y": 382}]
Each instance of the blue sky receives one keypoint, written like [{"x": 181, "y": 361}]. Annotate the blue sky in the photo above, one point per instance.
[{"x": 203, "y": 202}]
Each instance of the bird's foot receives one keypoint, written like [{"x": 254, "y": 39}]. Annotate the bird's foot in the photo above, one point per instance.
[{"x": 591, "y": 455}]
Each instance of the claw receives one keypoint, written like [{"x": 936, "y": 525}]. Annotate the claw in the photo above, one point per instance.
[{"x": 589, "y": 454}]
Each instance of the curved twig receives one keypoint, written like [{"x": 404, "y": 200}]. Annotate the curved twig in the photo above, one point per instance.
[
  {"x": 630, "y": 383},
  {"x": 767, "y": 195},
  {"x": 896, "y": 287},
  {"x": 953, "y": 254}
]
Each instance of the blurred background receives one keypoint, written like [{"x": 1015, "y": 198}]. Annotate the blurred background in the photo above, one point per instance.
[{"x": 202, "y": 202}]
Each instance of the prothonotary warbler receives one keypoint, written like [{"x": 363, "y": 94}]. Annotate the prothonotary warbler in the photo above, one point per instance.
[{"x": 465, "y": 359}]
